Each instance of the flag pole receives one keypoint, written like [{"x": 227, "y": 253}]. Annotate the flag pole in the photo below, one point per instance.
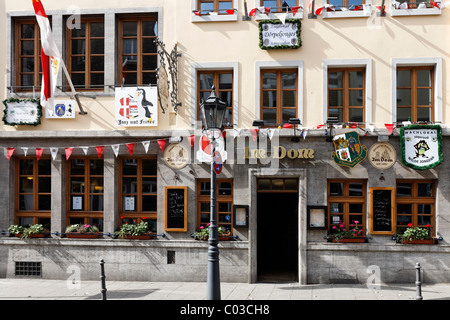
[{"x": 74, "y": 93}]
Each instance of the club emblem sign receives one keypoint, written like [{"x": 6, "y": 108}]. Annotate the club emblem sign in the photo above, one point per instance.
[
  {"x": 348, "y": 150},
  {"x": 421, "y": 146}
]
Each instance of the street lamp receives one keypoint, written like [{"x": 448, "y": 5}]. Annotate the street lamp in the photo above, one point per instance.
[{"x": 213, "y": 111}]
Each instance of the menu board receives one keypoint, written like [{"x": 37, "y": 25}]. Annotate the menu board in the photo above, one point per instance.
[
  {"x": 176, "y": 209},
  {"x": 382, "y": 210}
]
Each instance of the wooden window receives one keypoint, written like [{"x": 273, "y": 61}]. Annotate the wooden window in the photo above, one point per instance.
[
  {"x": 279, "y": 5},
  {"x": 415, "y": 94},
  {"x": 347, "y": 203},
  {"x": 85, "y": 191},
  {"x": 415, "y": 202},
  {"x": 86, "y": 54},
  {"x": 28, "y": 55},
  {"x": 346, "y": 94},
  {"x": 138, "y": 191},
  {"x": 353, "y": 5},
  {"x": 33, "y": 191},
  {"x": 219, "y": 6},
  {"x": 224, "y": 188},
  {"x": 223, "y": 83},
  {"x": 138, "y": 55},
  {"x": 278, "y": 96}
]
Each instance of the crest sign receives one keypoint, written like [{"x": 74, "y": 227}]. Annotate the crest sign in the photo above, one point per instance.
[
  {"x": 348, "y": 150},
  {"x": 421, "y": 146}
]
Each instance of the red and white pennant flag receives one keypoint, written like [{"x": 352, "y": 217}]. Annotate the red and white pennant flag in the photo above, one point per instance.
[{"x": 50, "y": 56}]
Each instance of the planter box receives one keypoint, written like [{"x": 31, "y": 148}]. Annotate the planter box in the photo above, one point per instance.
[
  {"x": 142, "y": 237},
  {"x": 36, "y": 235},
  {"x": 75, "y": 235},
  {"x": 424, "y": 241},
  {"x": 350, "y": 240}
]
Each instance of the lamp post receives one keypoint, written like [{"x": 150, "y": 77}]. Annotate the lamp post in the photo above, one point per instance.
[{"x": 213, "y": 112}]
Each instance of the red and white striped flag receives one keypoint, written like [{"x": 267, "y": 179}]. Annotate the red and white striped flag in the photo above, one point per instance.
[{"x": 50, "y": 56}]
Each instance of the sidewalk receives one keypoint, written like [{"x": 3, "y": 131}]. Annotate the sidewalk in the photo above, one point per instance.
[{"x": 35, "y": 289}]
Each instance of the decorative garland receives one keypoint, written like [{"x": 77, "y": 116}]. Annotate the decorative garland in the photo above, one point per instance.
[
  {"x": 425, "y": 127},
  {"x": 272, "y": 21},
  {"x": 13, "y": 100}
]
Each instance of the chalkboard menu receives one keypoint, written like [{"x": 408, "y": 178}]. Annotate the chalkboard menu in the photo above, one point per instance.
[
  {"x": 382, "y": 210},
  {"x": 176, "y": 209}
]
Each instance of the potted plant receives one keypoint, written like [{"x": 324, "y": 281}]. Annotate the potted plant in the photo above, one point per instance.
[
  {"x": 416, "y": 235},
  {"x": 139, "y": 231},
  {"x": 353, "y": 234},
  {"x": 203, "y": 233},
  {"x": 82, "y": 231},
  {"x": 33, "y": 231}
]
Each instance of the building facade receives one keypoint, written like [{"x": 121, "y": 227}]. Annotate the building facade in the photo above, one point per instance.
[{"x": 325, "y": 102}]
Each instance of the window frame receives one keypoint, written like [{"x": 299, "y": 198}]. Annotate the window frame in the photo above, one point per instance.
[
  {"x": 398, "y": 12},
  {"x": 139, "y": 214},
  {"x": 363, "y": 12},
  {"x": 346, "y": 200},
  {"x": 346, "y": 92},
  {"x": 415, "y": 200},
  {"x": 88, "y": 20},
  {"x": 195, "y": 6},
  {"x": 85, "y": 212},
  {"x": 414, "y": 87},
  {"x": 206, "y": 198},
  {"x": 140, "y": 54},
  {"x": 35, "y": 213},
  {"x": 273, "y": 15},
  {"x": 279, "y": 93}
]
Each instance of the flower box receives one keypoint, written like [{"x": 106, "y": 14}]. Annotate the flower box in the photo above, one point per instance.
[
  {"x": 76, "y": 235},
  {"x": 33, "y": 235},
  {"x": 147, "y": 236},
  {"x": 350, "y": 240},
  {"x": 421, "y": 241}
]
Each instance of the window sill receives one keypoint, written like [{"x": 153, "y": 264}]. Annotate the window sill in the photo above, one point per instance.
[
  {"x": 214, "y": 18},
  {"x": 415, "y": 12},
  {"x": 262, "y": 16}
]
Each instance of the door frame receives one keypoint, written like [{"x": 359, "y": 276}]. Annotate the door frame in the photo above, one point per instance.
[{"x": 300, "y": 174}]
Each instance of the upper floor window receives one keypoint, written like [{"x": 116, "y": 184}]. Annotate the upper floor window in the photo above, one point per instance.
[
  {"x": 215, "y": 6},
  {"x": 278, "y": 96},
  {"x": 415, "y": 94},
  {"x": 279, "y": 5},
  {"x": 346, "y": 92},
  {"x": 343, "y": 5},
  {"x": 222, "y": 80},
  {"x": 138, "y": 55},
  {"x": 415, "y": 7},
  {"x": 86, "y": 54},
  {"x": 28, "y": 55}
]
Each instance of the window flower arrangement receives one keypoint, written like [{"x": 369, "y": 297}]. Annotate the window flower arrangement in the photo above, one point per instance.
[
  {"x": 135, "y": 231},
  {"x": 82, "y": 231},
  {"x": 340, "y": 232},
  {"x": 203, "y": 233},
  {"x": 418, "y": 233},
  {"x": 33, "y": 231}
]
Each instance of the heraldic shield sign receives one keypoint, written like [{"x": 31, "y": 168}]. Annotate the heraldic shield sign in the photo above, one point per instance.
[
  {"x": 421, "y": 146},
  {"x": 348, "y": 150}
]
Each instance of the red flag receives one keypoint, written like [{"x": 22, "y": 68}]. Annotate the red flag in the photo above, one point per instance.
[
  {"x": 384, "y": 9},
  {"x": 10, "y": 152},
  {"x": 197, "y": 13},
  {"x": 130, "y": 147},
  {"x": 435, "y": 4},
  {"x": 162, "y": 144},
  {"x": 356, "y": 8},
  {"x": 99, "y": 151},
  {"x": 295, "y": 9},
  {"x": 254, "y": 133},
  {"x": 230, "y": 11},
  {"x": 39, "y": 152},
  {"x": 191, "y": 140},
  {"x": 252, "y": 12},
  {"x": 287, "y": 126},
  {"x": 319, "y": 11},
  {"x": 267, "y": 10},
  {"x": 390, "y": 127},
  {"x": 68, "y": 153}
]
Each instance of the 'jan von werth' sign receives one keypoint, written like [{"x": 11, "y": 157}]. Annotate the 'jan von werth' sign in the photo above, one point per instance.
[
  {"x": 136, "y": 106},
  {"x": 277, "y": 35},
  {"x": 421, "y": 146}
]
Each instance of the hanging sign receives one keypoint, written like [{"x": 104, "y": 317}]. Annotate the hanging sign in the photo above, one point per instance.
[
  {"x": 273, "y": 34},
  {"x": 204, "y": 148},
  {"x": 421, "y": 146},
  {"x": 62, "y": 110},
  {"x": 382, "y": 155},
  {"x": 177, "y": 156},
  {"x": 348, "y": 150},
  {"x": 136, "y": 107},
  {"x": 22, "y": 112}
]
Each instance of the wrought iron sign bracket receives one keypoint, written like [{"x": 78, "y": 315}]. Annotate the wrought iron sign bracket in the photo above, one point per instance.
[{"x": 172, "y": 64}]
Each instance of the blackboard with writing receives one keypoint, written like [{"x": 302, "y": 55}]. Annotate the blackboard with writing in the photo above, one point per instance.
[
  {"x": 382, "y": 210},
  {"x": 176, "y": 209}
]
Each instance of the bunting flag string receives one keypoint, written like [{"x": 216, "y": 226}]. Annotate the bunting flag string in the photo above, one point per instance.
[
  {"x": 130, "y": 147},
  {"x": 68, "y": 153},
  {"x": 10, "y": 152}
]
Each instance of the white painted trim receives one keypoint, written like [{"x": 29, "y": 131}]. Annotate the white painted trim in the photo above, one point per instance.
[
  {"x": 438, "y": 98},
  {"x": 201, "y": 66},
  {"x": 282, "y": 65},
  {"x": 213, "y": 18},
  {"x": 348, "y": 63}
]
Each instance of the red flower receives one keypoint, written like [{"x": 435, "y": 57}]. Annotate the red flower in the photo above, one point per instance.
[
  {"x": 121, "y": 217},
  {"x": 143, "y": 218},
  {"x": 410, "y": 225},
  {"x": 428, "y": 226}
]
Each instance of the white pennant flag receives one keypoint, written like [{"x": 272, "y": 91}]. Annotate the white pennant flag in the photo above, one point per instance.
[
  {"x": 281, "y": 17},
  {"x": 54, "y": 152},
  {"x": 115, "y": 148},
  {"x": 304, "y": 132},
  {"x": 367, "y": 8},
  {"x": 395, "y": 4},
  {"x": 422, "y": 5},
  {"x": 270, "y": 133},
  {"x": 371, "y": 127},
  {"x": 25, "y": 149},
  {"x": 85, "y": 150},
  {"x": 146, "y": 144}
]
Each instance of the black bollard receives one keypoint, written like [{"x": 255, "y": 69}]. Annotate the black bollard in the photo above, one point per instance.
[
  {"x": 418, "y": 283},
  {"x": 102, "y": 278}
]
